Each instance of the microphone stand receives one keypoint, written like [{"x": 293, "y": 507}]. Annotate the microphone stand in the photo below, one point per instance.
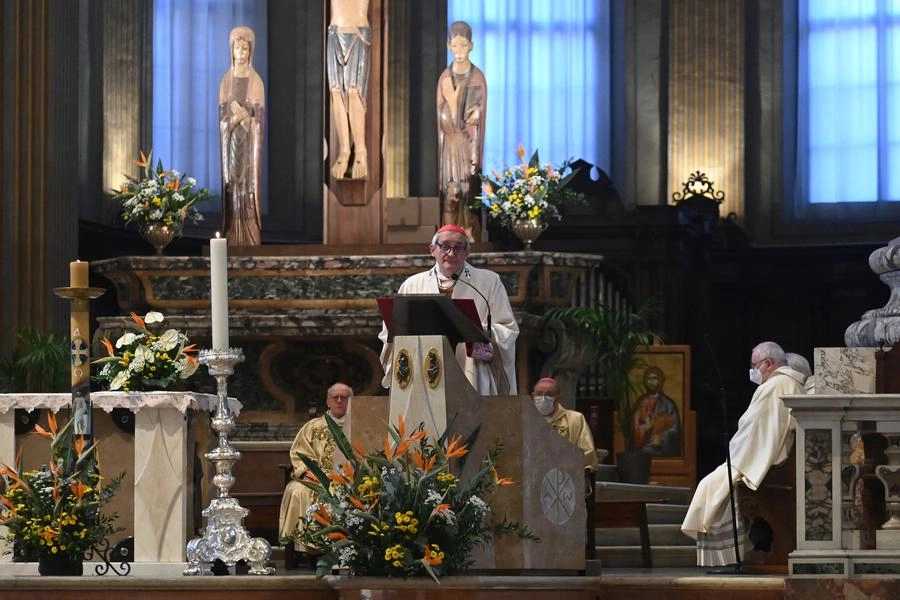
[
  {"x": 727, "y": 438},
  {"x": 456, "y": 277}
]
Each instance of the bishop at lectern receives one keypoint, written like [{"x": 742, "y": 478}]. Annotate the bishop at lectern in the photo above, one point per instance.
[{"x": 490, "y": 367}]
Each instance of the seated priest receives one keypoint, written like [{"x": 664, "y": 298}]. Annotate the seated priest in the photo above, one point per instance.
[
  {"x": 571, "y": 424},
  {"x": 314, "y": 441},
  {"x": 491, "y": 367},
  {"x": 764, "y": 438}
]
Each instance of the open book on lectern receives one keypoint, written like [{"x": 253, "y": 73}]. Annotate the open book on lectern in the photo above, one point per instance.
[{"x": 432, "y": 314}]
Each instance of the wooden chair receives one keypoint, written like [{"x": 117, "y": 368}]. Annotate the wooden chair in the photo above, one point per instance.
[
  {"x": 772, "y": 505},
  {"x": 616, "y": 512},
  {"x": 291, "y": 560}
]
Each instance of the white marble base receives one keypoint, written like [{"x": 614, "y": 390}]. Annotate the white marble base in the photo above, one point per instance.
[
  {"x": 851, "y": 539},
  {"x": 887, "y": 539}
]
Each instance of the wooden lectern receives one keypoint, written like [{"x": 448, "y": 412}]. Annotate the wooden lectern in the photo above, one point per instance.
[{"x": 429, "y": 387}]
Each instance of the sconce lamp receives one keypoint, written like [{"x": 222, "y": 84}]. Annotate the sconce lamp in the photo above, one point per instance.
[{"x": 698, "y": 215}]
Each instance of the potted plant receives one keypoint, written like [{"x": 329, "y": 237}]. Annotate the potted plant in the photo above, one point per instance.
[
  {"x": 401, "y": 511},
  {"x": 159, "y": 201},
  {"x": 39, "y": 363},
  {"x": 144, "y": 359},
  {"x": 53, "y": 514},
  {"x": 524, "y": 197},
  {"x": 614, "y": 335}
]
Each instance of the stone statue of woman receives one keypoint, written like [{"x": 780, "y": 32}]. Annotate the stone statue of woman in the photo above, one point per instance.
[
  {"x": 461, "y": 107},
  {"x": 242, "y": 105}
]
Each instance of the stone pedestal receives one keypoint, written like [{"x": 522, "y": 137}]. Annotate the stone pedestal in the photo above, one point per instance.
[
  {"x": 155, "y": 504},
  {"x": 880, "y": 327},
  {"x": 827, "y": 540},
  {"x": 549, "y": 491}
]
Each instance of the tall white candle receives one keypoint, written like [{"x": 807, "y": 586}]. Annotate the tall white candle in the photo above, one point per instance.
[{"x": 218, "y": 291}]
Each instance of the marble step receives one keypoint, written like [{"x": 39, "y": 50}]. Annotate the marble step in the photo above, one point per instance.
[
  {"x": 615, "y": 490},
  {"x": 662, "y": 514},
  {"x": 660, "y": 535},
  {"x": 620, "y": 557}
]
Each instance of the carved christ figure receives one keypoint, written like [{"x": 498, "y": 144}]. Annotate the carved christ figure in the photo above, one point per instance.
[{"x": 348, "y": 55}]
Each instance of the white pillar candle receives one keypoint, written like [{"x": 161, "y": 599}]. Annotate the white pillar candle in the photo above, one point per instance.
[{"x": 218, "y": 291}]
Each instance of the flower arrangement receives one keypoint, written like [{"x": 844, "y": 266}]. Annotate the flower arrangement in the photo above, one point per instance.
[
  {"x": 528, "y": 191},
  {"x": 159, "y": 197},
  {"x": 55, "y": 510},
  {"x": 401, "y": 511},
  {"x": 148, "y": 359}
]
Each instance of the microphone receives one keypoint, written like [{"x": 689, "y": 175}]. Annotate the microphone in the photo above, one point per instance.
[
  {"x": 455, "y": 277},
  {"x": 727, "y": 440}
]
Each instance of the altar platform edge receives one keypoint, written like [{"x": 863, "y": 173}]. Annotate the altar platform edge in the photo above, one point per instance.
[{"x": 613, "y": 584}]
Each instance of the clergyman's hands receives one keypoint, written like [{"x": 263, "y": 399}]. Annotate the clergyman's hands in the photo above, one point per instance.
[{"x": 482, "y": 351}]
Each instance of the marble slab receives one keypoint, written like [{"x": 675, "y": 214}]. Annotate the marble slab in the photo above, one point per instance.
[{"x": 844, "y": 370}]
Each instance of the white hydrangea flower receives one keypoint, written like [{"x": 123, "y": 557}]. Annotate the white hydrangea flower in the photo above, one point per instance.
[
  {"x": 354, "y": 521},
  {"x": 346, "y": 555},
  {"x": 478, "y": 505},
  {"x": 433, "y": 498}
]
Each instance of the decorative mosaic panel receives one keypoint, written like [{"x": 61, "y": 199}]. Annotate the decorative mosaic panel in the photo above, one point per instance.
[
  {"x": 864, "y": 568},
  {"x": 818, "y": 568},
  {"x": 819, "y": 496}
]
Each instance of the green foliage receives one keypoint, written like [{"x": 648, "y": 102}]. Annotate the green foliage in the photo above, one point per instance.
[
  {"x": 613, "y": 335},
  {"x": 39, "y": 363}
]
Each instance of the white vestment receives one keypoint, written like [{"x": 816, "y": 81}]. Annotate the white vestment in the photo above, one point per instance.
[
  {"x": 504, "y": 329},
  {"x": 764, "y": 438}
]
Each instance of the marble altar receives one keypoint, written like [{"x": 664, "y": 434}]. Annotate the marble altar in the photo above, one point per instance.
[
  {"x": 162, "y": 485},
  {"x": 304, "y": 322}
]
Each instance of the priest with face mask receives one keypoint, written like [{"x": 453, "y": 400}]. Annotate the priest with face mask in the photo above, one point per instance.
[
  {"x": 764, "y": 438},
  {"x": 570, "y": 424}
]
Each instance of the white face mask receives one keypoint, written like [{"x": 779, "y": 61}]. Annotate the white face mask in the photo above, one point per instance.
[
  {"x": 756, "y": 376},
  {"x": 544, "y": 404}
]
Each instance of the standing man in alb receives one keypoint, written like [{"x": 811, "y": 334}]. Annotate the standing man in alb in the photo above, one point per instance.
[{"x": 491, "y": 368}]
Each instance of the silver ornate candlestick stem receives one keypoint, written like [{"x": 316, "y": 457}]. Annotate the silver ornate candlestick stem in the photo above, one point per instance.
[{"x": 225, "y": 537}]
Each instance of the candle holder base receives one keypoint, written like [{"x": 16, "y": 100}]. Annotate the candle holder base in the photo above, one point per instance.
[{"x": 225, "y": 538}]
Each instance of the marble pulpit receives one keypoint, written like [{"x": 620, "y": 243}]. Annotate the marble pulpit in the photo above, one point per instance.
[
  {"x": 162, "y": 460},
  {"x": 548, "y": 495}
]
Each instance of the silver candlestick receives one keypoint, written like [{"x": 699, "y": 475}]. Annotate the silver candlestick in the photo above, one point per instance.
[{"x": 225, "y": 537}]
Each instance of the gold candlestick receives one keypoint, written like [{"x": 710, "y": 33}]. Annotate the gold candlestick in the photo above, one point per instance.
[{"x": 80, "y": 296}]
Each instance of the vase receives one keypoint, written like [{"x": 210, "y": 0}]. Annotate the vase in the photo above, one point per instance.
[
  {"x": 159, "y": 235},
  {"x": 61, "y": 565},
  {"x": 528, "y": 230}
]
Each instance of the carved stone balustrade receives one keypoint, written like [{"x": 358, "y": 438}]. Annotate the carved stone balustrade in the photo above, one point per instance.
[{"x": 845, "y": 465}]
